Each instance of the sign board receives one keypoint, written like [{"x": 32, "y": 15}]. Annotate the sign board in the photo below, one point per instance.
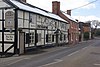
[
  {"x": 9, "y": 37},
  {"x": 9, "y": 20},
  {"x": 41, "y": 27}
]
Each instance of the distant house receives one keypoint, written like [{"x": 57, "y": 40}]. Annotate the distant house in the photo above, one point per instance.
[
  {"x": 23, "y": 25},
  {"x": 73, "y": 32},
  {"x": 81, "y": 31},
  {"x": 85, "y": 31}
]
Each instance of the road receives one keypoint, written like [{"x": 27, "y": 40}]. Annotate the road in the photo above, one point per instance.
[{"x": 85, "y": 54}]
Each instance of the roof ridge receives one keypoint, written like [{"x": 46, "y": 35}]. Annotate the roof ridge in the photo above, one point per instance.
[
  {"x": 70, "y": 17},
  {"x": 34, "y": 9}
]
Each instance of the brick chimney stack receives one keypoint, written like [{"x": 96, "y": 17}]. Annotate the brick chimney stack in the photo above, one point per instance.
[
  {"x": 55, "y": 7},
  {"x": 69, "y": 12},
  {"x": 22, "y": 1}
]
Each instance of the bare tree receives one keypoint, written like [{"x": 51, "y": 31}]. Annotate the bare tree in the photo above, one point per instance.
[{"x": 94, "y": 24}]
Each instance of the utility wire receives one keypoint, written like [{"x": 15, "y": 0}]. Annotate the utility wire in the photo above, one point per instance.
[{"x": 84, "y": 5}]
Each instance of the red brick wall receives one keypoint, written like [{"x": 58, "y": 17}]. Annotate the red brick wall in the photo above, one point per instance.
[
  {"x": 24, "y": 0},
  {"x": 69, "y": 12},
  {"x": 74, "y": 32},
  {"x": 55, "y": 7},
  {"x": 86, "y": 29}
]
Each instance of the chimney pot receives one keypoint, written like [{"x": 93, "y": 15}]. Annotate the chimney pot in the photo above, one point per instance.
[
  {"x": 22, "y": 1},
  {"x": 69, "y": 12}
]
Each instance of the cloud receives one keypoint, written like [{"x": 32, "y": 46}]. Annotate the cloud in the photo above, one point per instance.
[
  {"x": 86, "y": 18},
  {"x": 65, "y": 4}
]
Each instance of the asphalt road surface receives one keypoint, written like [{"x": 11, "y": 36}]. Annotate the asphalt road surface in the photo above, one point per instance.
[{"x": 85, "y": 54}]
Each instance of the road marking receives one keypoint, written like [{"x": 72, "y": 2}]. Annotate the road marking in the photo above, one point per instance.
[
  {"x": 15, "y": 62},
  {"x": 27, "y": 58},
  {"x": 57, "y": 61},
  {"x": 97, "y": 64},
  {"x": 77, "y": 51},
  {"x": 73, "y": 53},
  {"x": 84, "y": 48},
  {"x": 19, "y": 60}
]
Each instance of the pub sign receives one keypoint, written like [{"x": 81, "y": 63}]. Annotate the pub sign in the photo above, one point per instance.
[{"x": 9, "y": 20}]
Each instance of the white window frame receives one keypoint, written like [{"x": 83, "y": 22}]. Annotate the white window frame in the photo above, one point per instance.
[{"x": 32, "y": 35}]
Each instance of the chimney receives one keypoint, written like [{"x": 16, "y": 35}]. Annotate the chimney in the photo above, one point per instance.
[
  {"x": 55, "y": 7},
  {"x": 22, "y": 1},
  {"x": 69, "y": 12}
]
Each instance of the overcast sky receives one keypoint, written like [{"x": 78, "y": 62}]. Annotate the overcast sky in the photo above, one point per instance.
[{"x": 90, "y": 12}]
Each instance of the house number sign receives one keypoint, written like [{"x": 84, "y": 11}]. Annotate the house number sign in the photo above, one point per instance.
[{"x": 9, "y": 37}]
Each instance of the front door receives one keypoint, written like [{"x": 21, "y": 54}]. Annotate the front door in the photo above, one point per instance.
[{"x": 56, "y": 39}]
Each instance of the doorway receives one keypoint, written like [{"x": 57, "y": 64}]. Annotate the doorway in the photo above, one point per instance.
[{"x": 21, "y": 43}]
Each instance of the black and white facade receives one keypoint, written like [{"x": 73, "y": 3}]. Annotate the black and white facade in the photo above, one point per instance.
[{"x": 23, "y": 25}]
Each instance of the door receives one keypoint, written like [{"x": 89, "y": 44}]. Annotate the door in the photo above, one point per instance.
[
  {"x": 21, "y": 43},
  {"x": 57, "y": 39}
]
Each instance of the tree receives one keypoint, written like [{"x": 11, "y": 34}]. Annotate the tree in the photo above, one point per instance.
[
  {"x": 86, "y": 35},
  {"x": 98, "y": 32},
  {"x": 94, "y": 24}
]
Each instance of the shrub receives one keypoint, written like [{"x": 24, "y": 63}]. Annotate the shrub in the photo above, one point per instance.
[{"x": 86, "y": 36}]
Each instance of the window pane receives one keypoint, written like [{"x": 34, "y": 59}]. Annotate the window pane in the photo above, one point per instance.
[{"x": 52, "y": 38}]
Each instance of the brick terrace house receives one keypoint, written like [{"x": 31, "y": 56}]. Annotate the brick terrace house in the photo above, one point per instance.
[
  {"x": 87, "y": 28},
  {"x": 73, "y": 35},
  {"x": 81, "y": 35},
  {"x": 84, "y": 28}
]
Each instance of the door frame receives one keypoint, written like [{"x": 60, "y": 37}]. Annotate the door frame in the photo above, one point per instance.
[{"x": 20, "y": 41}]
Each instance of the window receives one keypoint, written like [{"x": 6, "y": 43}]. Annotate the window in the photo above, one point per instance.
[
  {"x": 43, "y": 21},
  {"x": 55, "y": 24},
  {"x": 39, "y": 19},
  {"x": 66, "y": 26},
  {"x": 39, "y": 37},
  {"x": 48, "y": 38},
  {"x": 32, "y": 38},
  {"x": 64, "y": 36},
  {"x": 32, "y": 18},
  {"x": 52, "y": 38},
  {"x": 62, "y": 25},
  {"x": 27, "y": 38},
  {"x": 60, "y": 37}
]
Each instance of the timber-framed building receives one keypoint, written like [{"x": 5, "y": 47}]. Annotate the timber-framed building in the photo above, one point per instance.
[{"x": 23, "y": 25}]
